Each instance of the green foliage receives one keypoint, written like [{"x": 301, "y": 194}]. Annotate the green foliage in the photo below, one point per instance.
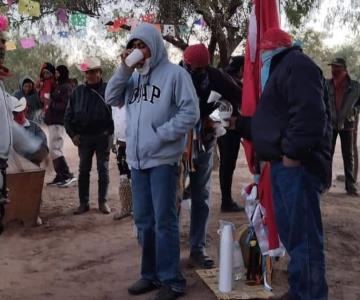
[
  {"x": 28, "y": 62},
  {"x": 312, "y": 44},
  {"x": 297, "y": 10},
  {"x": 345, "y": 13}
]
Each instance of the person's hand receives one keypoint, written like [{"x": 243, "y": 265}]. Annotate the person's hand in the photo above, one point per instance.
[
  {"x": 291, "y": 163},
  {"x": 76, "y": 140},
  {"x": 208, "y": 123},
  {"x": 185, "y": 155},
  {"x": 231, "y": 122}
]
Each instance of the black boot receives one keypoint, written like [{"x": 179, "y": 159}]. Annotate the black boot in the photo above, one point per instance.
[
  {"x": 64, "y": 168},
  {"x": 83, "y": 208},
  {"x": 57, "y": 167}
]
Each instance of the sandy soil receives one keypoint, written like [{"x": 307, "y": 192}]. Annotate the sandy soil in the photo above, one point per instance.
[{"x": 92, "y": 257}]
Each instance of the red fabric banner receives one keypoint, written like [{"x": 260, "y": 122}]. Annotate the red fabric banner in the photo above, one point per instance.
[{"x": 265, "y": 15}]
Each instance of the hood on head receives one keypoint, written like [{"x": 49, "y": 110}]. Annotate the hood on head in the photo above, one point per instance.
[
  {"x": 23, "y": 80},
  {"x": 49, "y": 67},
  {"x": 64, "y": 73},
  {"x": 275, "y": 38},
  {"x": 153, "y": 39}
]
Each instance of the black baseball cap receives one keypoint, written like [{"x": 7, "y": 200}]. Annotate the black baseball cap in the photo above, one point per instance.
[{"x": 338, "y": 62}]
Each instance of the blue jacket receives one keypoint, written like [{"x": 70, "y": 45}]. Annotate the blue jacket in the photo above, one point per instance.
[{"x": 293, "y": 116}]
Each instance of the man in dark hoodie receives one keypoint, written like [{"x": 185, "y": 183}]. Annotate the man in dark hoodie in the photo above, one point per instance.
[
  {"x": 161, "y": 107},
  {"x": 27, "y": 90},
  {"x": 88, "y": 122},
  {"x": 54, "y": 118},
  {"x": 291, "y": 128}
]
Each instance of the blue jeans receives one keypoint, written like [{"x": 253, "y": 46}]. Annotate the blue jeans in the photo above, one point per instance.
[
  {"x": 200, "y": 200},
  {"x": 155, "y": 214},
  {"x": 296, "y": 195}
]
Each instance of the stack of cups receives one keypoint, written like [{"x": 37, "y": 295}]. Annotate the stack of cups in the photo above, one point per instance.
[{"x": 226, "y": 259}]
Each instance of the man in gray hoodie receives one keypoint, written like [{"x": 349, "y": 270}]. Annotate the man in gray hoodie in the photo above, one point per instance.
[{"x": 161, "y": 107}]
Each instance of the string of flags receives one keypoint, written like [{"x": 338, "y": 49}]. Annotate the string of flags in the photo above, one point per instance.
[{"x": 74, "y": 24}]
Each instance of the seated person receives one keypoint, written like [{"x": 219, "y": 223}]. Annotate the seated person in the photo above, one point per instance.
[{"x": 19, "y": 113}]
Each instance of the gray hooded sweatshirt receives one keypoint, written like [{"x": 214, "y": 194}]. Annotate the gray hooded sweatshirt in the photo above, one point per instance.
[{"x": 161, "y": 107}]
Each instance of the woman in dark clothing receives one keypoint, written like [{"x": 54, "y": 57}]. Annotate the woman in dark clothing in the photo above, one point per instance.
[{"x": 34, "y": 105}]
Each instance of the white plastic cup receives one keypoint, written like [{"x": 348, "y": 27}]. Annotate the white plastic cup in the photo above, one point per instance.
[
  {"x": 134, "y": 57},
  {"x": 214, "y": 97}
]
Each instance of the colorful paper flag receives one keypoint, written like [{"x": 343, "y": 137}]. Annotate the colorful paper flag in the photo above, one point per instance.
[
  {"x": 78, "y": 19},
  {"x": 62, "y": 16},
  {"x": 113, "y": 29},
  {"x": 201, "y": 22},
  {"x": 183, "y": 30},
  {"x": 28, "y": 7},
  {"x": 28, "y": 43},
  {"x": 148, "y": 18},
  {"x": 169, "y": 30},
  {"x": 10, "y": 46},
  {"x": 64, "y": 34},
  {"x": 119, "y": 22}
]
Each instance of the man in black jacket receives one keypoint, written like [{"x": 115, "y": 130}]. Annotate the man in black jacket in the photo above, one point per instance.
[
  {"x": 291, "y": 128},
  {"x": 205, "y": 79},
  {"x": 229, "y": 144},
  {"x": 344, "y": 94},
  {"x": 88, "y": 122}
]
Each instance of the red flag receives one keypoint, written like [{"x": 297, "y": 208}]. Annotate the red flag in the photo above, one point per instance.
[{"x": 264, "y": 15}]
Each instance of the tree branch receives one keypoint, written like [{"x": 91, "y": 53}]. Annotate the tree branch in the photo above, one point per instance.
[
  {"x": 212, "y": 47},
  {"x": 176, "y": 41}
]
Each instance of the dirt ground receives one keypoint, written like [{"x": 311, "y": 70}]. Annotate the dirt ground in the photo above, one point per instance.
[{"x": 95, "y": 258}]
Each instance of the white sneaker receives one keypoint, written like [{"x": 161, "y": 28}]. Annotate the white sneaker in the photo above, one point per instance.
[{"x": 67, "y": 182}]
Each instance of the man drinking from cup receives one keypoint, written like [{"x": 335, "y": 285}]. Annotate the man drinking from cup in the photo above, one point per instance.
[{"x": 161, "y": 107}]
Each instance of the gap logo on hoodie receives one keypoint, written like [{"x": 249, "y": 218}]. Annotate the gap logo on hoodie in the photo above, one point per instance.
[{"x": 145, "y": 92}]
